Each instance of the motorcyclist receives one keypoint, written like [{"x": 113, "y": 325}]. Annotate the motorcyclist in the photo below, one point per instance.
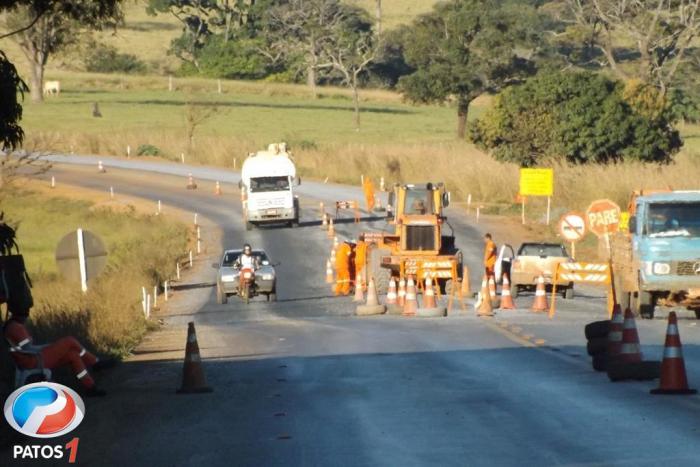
[{"x": 247, "y": 259}]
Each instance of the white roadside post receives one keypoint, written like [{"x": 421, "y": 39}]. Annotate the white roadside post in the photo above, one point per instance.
[
  {"x": 111, "y": 192},
  {"x": 155, "y": 297},
  {"x": 81, "y": 261},
  {"x": 53, "y": 182},
  {"x": 195, "y": 218},
  {"x": 177, "y": 270},
  {"x": 199, "y": 247},
  {"x": 190, "y": 259},
  {"x": 128, "y": 151},
  {"x": 143, "y": 300},
  {"x": 478, "y": 212},
  {"x": 165, "y": 290},
  {"x": 148, "y": 306},
  {"x": 160, "y": 207},
  {"x": 469, "y": 203},
  {"x": 182, "y": 157}
]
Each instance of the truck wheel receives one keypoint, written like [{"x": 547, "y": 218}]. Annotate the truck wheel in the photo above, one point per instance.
[
  {"x": 644, "y": 305},
  {"x": 381, "y": 275},
  {"x": 569, "y": 292}
]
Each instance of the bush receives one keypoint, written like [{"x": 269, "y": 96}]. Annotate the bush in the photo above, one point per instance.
[
  {"x": 234, "y": 59},
  {"x": 580, "y": 117},
  {"x": 148, "y": 150},
  {"x": 102, "y": 58}
]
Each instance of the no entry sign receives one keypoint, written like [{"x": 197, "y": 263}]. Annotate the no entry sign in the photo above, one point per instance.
[
  {"x": 603, "y": 217},
  {"x": 572, "y": 226}
]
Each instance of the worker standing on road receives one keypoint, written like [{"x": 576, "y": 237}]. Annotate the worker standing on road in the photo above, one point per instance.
[
  {"x": 360, "y": 260},
  {"x": 490, "y": 254},
  {"x": 66, "y": 351},
  {"x": 343, "y": 268}
]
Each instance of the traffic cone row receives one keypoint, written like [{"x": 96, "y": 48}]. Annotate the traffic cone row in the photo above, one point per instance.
[
  {"x": 391, "y": 297},
  {"x": 484, "y": 307},
  {"x": 372, "y": 307},
  {"x": 492, "y": 292},
  {"x": 401, "y": 296},
  {"x": 630, "y": 351},
  {"x": 359, "y": 295},
  {"x": 428, "y": 294},
  {"x": 331, "y": 229},
  {"x": 329, "y": 273}
]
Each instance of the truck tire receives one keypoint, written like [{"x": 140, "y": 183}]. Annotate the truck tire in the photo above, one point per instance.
[
  {"x": 381, "y": 275},
  {"x": 597, "y": 346},
  {"x": 597, "y": 329},
  {"x": 600, "y": 362},
  {"x": 644, "y": 304}
]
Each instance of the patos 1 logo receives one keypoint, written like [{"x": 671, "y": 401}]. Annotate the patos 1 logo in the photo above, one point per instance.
[{"x": 44, "y": 410}]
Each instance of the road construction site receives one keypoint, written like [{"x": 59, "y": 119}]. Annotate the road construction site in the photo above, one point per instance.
[{"x": 303, "y": 381}]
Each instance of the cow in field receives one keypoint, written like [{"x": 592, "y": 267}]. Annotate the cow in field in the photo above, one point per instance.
[{"x": 52, "y": 87}]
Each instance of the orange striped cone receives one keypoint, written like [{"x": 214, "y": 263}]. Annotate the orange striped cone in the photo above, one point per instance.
[
  {"x": 629, "y": 350},
  {"x": 329, "y": 273},
  {"x": 391, "y": 294},
  {"x": 401, "y": 297},
  {"x": 335, "y": 242},
  {"x": 217, "y": 189},
  {"x": 193, "y": 379},
  {"x": 359, "y": 296},
  {"x": 324, "y": 221},
  {"x": 429, "y": 294},
  {"x": 673, "y": 378},
  {"x": 506, "y": 298},
  {"x": 333, "y": 255},
  {"x": 492, "y": 292},
  {"x": 484, "y": 307},
  {"x": 615, "y": 333},
  {"x": 540, "y": 303},
  {"x": 372, "y": 298},
  {"x": 331, "y": 229},
  {"x": 411, "y": 304},
  {"x": 191, "y": 185}
]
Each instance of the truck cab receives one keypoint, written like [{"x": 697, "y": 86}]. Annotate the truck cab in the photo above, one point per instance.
[
  {"x": 267, "y": 186},
  {"x": 665, "y": 251}
]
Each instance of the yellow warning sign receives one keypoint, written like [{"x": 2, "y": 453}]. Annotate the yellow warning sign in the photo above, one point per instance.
[
  {"x": 624, "y": 221},
  {"x": 536, "y": 182}
]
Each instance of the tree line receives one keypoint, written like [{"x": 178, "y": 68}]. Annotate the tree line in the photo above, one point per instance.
[{"x": 645, "y": 52}]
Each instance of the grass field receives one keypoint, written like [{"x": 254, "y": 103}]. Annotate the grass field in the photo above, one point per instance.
[{"x": 142, "y": 251}]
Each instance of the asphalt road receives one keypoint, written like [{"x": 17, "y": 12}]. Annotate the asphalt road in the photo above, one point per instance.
[{"x": 303, "y": 382}]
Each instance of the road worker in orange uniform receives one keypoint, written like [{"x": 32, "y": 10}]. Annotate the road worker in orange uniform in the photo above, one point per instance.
[
  {"x": 490, "y": 254},
  {"x": 360, "y": 259},
  {"x": 343, "y": 268},
  {"x": 66, "y": 351}
]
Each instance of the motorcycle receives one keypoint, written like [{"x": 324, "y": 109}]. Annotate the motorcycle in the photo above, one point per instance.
[{"x": 246, "y": 283}]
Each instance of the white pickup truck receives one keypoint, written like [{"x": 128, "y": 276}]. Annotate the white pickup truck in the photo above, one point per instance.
[{"x": 267, "y": 187}]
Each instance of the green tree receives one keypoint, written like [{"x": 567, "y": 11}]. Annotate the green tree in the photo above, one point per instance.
[
  {"x": 580, "y": 117},
  {"x": 464, "y": 48}
]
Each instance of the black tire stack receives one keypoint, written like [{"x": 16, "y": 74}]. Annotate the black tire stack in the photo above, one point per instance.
[{"x": 597, "y": 345}]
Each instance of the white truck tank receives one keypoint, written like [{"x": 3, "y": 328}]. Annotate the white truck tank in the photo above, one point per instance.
[{"x": 267, "y": 184}]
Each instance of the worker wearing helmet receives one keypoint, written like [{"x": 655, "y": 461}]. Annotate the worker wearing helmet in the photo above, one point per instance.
[
  {"x": 247, "y": 260},
  {"x": 490, "y": 253},
  {"x": 343, "y": 268},
  {"x": 66, "y": 351}
]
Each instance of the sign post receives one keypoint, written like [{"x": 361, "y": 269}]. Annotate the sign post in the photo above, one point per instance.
[{"x": 537, "y": 182}]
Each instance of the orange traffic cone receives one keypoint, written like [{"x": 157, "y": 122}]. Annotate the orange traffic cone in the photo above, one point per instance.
[
  {"x": 372, "y": 307},
  {"x": 333, "y": 255},
  {"x": 465, "y": 290},
  {"x": 483, "y": 305},
  {"x": 335, "y": 242},
  {"x": 329, "y": 273},
  {"x": 401, "y": 297},
  {"x": 191, "y": 185},
  {"x": 391, "y": 293},
  {"x": 429, "y": 294},
  {"x": 492, "y": 292},
  {"x": 673, "y": 377},
  {"x": 324, "y": 221},
  {"x": 359, "y": 296},
  {"x": 101, "y": 168},
  {"x": 193, "y": 379},
  {"x": 217, "y": 189},
  {"x": 331, "y": 229},
  {"x": 506, "y": 298},
  {"x": 615, "y": 333},
  {"x": 411, "y": 303},
  {"x": 540, "y": 303},
  {"x": 629, "y": 350}
]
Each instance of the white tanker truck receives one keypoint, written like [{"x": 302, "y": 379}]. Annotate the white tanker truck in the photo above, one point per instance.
[{"x": 267, "y": 186}]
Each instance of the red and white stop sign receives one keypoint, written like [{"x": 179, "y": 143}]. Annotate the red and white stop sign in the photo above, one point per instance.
[{"x": 603, "y": 217}]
